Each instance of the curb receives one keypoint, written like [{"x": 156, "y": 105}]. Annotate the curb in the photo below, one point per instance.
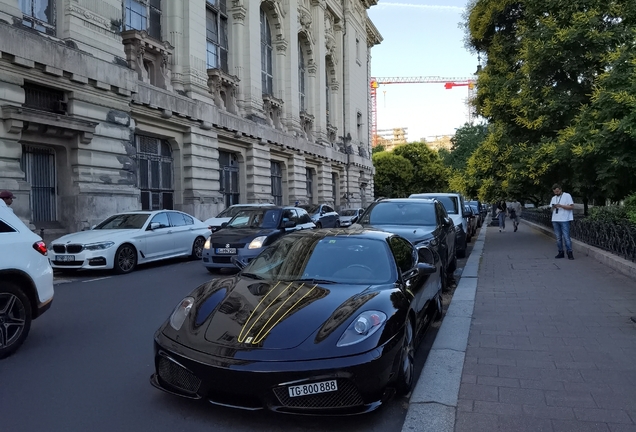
[{"x": 433, "y": 403}]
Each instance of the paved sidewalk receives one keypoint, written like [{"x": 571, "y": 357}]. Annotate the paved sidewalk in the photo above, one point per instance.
[{"x": 551, "y": 345}]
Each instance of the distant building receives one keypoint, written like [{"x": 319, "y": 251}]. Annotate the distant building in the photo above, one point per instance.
[
  {"x": 391, "y": 138},
  {"x": 439, "y": 142}
]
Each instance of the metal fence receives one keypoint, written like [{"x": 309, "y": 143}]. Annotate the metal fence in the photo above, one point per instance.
[{"x": 618, "y": 238}]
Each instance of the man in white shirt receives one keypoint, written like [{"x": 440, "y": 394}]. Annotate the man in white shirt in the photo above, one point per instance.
[
  {"x": 562, "y": 206},
  {"x": 514, "y": 212}
]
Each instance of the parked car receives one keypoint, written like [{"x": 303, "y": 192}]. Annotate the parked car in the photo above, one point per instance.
[
  {"x": 471, "y": 222},
  {"x": 125, "y": 240},
  {"x": 478, "y": 214},
  {"x": 481, "y": 207},
  {"x": 350, "y": 216},
  {"x": 454, "y": 204},
  {"x": 322, "y": 215},
  {"x": 26, "y": 281},
  {"x": 318, "y": 323},
  {"x": 215, "y": 223},
  {"x": 421, "y": 221},
  {"x": 249, "y": 232}
]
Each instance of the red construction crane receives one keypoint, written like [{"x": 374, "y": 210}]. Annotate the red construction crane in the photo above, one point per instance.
[{"x": 449, "y": 83}]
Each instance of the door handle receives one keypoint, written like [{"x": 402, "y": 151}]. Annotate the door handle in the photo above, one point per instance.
[{"x": 169, "y": 231}]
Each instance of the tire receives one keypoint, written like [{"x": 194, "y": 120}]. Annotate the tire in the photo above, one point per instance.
[
  {"x": 15, "y": 318},
  {"x": 407, "y": 355},
  {"x": 452, "y": 266},
  {"x": 125, "y": 259},
  {"x": 318, "y": 225},
  {"x": 197, "y": 248},
  {"x": 461, "y": 253},
  {"x": 212, "y": 270},
  {"x": 439, "y": 308},
  {"x": 337, "y": 224}
]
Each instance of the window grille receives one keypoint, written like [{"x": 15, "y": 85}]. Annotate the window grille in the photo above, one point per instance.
[
  {"x": 267, "y": 77},
  {"x": 155, "y": 173},
  {"x": 44, "y": 98},
  {"x": 217, "y": 35},
  {"x": 229, "y": 178},
  {"x": 277, "y": 182},
  {"x": 310, "y": 184},
  {"x": 39, "y": 15}
]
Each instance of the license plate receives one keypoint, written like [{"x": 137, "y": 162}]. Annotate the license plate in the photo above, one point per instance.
[
  {"x": 313, "y": 388},
  {"x": 226, "y": 250},
  {"x": 64, "y": 257}
]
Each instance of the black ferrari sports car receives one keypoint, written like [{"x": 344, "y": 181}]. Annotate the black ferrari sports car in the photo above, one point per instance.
[{"x": 321, "y": 322}]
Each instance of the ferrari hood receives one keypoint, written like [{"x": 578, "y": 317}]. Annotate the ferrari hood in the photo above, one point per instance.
[{"x": 271, "y": 315}]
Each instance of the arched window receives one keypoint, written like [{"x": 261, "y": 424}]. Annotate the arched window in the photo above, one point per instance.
[
  {"x": 301, "y": 77},
  {"x": 267, "y": 77}
]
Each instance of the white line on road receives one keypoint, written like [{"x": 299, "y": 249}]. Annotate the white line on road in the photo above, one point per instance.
[{"x": 101, "y": 278}]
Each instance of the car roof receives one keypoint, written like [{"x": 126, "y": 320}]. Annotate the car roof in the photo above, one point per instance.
[
  {"x": 434, "y": 194},
  {"x": 339, "y": 232},
  {"x": 408, "y": 200},
  {"x": 253, "y": 205}
]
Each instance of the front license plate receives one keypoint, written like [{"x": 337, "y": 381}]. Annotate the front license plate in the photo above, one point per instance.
[
  {"x": 64, "y": 257},
  {"x": 313, "y": 388},
  {"x": 226, "y": 250}
]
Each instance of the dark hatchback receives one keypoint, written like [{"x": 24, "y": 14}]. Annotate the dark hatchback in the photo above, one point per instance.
[
  {"x": 321, "y": 322},
  {"x": 421, "y": 221},
  {"x": 249, "y": 232}
]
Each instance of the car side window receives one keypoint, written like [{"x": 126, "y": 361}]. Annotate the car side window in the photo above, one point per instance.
[
  {"x": 303, "y": 217},
  {"x": 290, "y": 215},
  {"x": 161, "y": 219},
  {"x": 188, "y": 219},
  {"x": 327, "y": 209},
  {"x": 403, "y": 252},
  {"x": 176, "y": 219},
  {"x": 5, "y": 228}
]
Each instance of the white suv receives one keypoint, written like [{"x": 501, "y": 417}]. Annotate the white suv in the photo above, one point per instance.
[{"x": 26, "y": 281}]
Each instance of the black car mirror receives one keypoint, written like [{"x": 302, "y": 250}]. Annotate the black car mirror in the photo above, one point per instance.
[
  {"x": 240, "y": 264},
  {"x": 426, "y": 256},
  {"x": 224, "y": 224},
  {"x": 289, "y": 224},
  {"x": 354, "y": 219},
  {"x": 426, "y": 269}
]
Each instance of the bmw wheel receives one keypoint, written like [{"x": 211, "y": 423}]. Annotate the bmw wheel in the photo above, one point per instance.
[
  {"x": 405, "y": 376},
  {"x": 197, "y": 248},
  {"x": 125, "y": 259},
  {"x": 15, "y": 318}
]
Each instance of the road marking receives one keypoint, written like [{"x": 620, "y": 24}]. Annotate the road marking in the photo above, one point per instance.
[{"x": 97, "y": 279}]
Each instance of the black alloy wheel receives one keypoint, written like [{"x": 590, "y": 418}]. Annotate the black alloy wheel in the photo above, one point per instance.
[
  {"x": 318, "y": 225},
  {"x": 125, "y": 259},
  {"x": 405, "y": 377},
  {"x": 15, "y": 318},
  {"x": 337, "y": 224},
  {"x": 197, "y": 248}
]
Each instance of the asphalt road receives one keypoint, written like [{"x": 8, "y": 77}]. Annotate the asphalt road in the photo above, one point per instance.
[{"x": 87, "y": 362}]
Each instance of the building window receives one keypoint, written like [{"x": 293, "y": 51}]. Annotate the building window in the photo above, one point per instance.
[
  {"x": 327, "y": 95},
  {"x": 44, "y": 98},
  {"x": 277, "y": 182},
  {"x": 310, "y": 185},
  {"x": 155, "y": 165},
  {"x": 358, "y": 50},
  {"x": 136, "y": 15},
  {"x": 229, "y": 177},
  {"x": 216, "y": 35},
  {"x": 334, "y": 186},
  {"x": 39, "y": 15},
  {"x": 301, "y": 77},
  {"x": 267, "y": 77}
]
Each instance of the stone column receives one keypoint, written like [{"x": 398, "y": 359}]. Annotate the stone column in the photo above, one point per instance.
[
  {"x": 174, "y": 19},
  {"x": 201, "y": 179},
  {"x": 319, "y": 102},
  {"x": 297, "y": 178},
  {"x": 258, "y": 169},
  {"x": 325, "y": 187}
]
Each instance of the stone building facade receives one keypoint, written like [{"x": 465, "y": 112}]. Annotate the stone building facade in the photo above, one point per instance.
[{"x": 117, "y": 105}]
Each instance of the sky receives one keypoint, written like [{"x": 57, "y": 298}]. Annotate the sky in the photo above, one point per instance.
[{"x": 421, "y": 38}]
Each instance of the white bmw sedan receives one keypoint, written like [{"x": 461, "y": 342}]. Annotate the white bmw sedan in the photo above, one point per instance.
[{"x": 126, "y": 239}]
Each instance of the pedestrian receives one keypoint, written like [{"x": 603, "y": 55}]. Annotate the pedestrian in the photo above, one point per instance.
[
  {"x": 562, "y": 206},
  {"x": 501, "y": 215},
  {"x": 514, "y": 212},
  {"x": 6, "y": 198}
]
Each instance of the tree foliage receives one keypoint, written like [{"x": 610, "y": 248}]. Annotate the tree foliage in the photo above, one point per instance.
[
  {"x": 393, "y": 175},
  {"x": 429, "y": 172},
  {"x": 559, "y": 93}
]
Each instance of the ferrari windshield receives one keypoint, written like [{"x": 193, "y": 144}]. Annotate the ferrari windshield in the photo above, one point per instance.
[
  {"x": 336, "y": 259},
  {"x": 400, "y": 213},
  {"x": 124, "y": 221},
  {"x": 256, "y": 218}
]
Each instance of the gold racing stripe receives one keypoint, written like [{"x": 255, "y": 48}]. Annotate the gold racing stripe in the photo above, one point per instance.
[
  {"x": 241, "y": 337},
  {"x": 258, "y": 339}
]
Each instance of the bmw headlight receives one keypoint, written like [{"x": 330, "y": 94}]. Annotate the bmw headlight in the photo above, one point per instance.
[
  {"x": 207, "y": 244},
  {"x": 98, "y": 246},
  {"x": 366, "y": 324},
  {"x": 257, "y": 243},
  {"x": 181, "y": 312}
]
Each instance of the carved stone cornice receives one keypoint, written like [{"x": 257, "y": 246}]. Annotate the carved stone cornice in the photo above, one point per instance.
[
  {"x": 140, "y": 48},
  {"x": 332, "y": 133},
  {"x": 312, "y": 67},
  {"x": 89, "y": 16},
  {"x": 320, "y": 3},
  {"x": 20, "y": 118},
  {"x": 281, "y": 45},
  {"x": 223, "y": 87},
  {"x": 238, "y": 10}
]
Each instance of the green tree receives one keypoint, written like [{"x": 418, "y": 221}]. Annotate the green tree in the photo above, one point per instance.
[
  {"x": 377, "y": 149},
  {"x": 393, "y": 175},
  {"x": 464, "y": 143},
  {"x": 429, "y": 172}
]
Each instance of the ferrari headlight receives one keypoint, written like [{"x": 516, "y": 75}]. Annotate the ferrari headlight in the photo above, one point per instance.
[
  {"x": 207, "y": 244},
  {"x": 257, "y": 243},
  {"x": 98, "y": 246},
  {"x": 181, "y": 312},
  {"x": 366, "y": 324}
]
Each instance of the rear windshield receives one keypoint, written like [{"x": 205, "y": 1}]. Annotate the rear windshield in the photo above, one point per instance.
[
  {"x": 399, "y": 213},
  {"x": 348, "y": 212},
  {"x": 450, "y": 203},
  {"x": 310, "y": 208}
]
